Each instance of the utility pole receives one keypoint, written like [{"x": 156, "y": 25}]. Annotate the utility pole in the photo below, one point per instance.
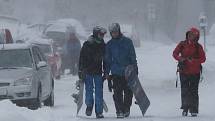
[
  {"x": 151, "y": 19},
  {"x": 203, "y": 25}
]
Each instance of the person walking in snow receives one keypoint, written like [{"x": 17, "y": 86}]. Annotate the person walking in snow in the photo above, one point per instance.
[
  {"x": 73, "y": 48},
  {"x": 190, "y": 54},
  {"x": 119, "y": 54},
  {"x": 91, "y": 69}
]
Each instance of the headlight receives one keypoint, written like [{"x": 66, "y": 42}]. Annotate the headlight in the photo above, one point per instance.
[{"x": 23, "y": 81}]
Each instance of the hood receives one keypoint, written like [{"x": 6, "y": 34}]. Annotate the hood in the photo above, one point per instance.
[
  {"x": 9, "y": 75},
  {"x": 194, "y": 31}
]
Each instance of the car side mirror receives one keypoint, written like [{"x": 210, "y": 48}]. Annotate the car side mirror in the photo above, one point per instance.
[{"x": 41, "y": 64}]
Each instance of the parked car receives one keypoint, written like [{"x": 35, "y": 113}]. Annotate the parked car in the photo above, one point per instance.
[
  {"x": 25, "y": 77},
  {"x": 51, "y": 54}
]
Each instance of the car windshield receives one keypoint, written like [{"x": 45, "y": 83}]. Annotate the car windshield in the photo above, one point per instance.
[
  {"x": 15, "y": 58},
  {"x": 46, "y": 49},
  {"x": 58, "y": 37}
]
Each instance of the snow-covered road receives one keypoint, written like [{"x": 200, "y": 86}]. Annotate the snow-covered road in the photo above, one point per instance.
[{"x": 157, "y": 75}]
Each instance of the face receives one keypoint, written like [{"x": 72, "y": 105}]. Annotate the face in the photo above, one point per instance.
[
  {"x": 192, "y": 36},
  {"x": 115, "y": 34},
  {"x": 101, "y": 35}
]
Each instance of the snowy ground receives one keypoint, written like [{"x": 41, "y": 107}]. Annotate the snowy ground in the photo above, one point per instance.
[{"x": 157, "y": 74}]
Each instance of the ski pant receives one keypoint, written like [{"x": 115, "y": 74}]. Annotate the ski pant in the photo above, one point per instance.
[
  {"x": 90, "y": 82},
  {"x": 122, "y": 94},
  {"x": 189, "y": 92}
]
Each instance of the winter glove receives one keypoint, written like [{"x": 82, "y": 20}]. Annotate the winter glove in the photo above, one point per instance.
[
  {"x": 182, "y": 59},
  {"x": 109, "y": 77},
  {"x": 81, "y": 75},
  {"x": 110, "y": 84}
]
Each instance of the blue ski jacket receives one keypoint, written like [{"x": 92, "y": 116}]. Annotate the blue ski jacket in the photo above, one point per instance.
[{"x": 119, "y": 53}]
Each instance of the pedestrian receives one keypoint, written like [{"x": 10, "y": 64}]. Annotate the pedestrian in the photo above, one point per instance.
[
  {"x": 190, "y": 55},
  {"x": 119, "y": 54},
  {"x": 74, "y": 47},
  {"x": 91, "y": 69}
]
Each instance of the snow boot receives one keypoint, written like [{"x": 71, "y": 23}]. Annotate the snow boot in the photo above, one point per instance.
[
  {"x": 89, "y": 110},
  {"x": 185, "y": 112},
  {"x": 126, "y": 114},
  {"x": 120, "y": 115},
  {"x": 99, "y": 115},
  {"x": 193, "y": 114}
]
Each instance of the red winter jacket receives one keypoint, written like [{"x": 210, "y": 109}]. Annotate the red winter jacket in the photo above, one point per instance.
[{"x": 193, "y": 54}]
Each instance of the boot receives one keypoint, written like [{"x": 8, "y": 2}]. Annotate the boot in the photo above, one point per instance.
[
  {"x": 120, "y": 115},
  {"x": 193, "y": 114},
  {"x": 126, "y": 114},
  {"x": 185, "y": 112},
  {"x": 89, "y": 110},
  {"x": 99, "y": 115}
]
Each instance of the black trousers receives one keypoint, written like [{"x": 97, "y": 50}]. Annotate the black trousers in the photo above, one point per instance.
[
  {"x": 122, "y": 94},
  {"x": 189, "y": 92}
]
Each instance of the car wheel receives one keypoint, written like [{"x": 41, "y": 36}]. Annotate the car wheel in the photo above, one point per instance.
[
  {"x": 36, "y": 103},
  {"x": 50, "y": 100}
]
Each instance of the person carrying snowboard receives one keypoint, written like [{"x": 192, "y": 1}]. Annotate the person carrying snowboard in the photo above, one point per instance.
[
  {"x": 119, "y": 54},
  {"x": 91, "y": 69},
  {"x": 189, "y": 54}
]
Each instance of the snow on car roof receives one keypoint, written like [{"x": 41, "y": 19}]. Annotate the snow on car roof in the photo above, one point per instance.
[
  {"x": 41, "y": 41},
  {"x": 59, "y": 27},
  {"x": 62, "y": 24},
  {"x": 14, "y": 46}
]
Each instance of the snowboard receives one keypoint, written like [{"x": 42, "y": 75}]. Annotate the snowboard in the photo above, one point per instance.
[
  {"x": 78, "y": 97},
  {"x": 135, "y": 85}
]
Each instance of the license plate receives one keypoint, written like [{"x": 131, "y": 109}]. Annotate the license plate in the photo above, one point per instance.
[{"x": 3, "y": 92}]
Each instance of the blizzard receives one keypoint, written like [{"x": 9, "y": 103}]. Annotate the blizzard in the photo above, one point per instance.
[{"x": 157, "y": 73}]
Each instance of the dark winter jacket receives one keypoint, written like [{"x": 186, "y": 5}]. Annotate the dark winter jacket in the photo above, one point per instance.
[
  {"x": 119, "y": 53},
  {"x": 91, "y": 56},
  {"x": 193, "y": 55}
]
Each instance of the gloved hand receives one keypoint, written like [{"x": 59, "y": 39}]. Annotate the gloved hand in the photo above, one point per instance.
[
  {"x": 109, "y": 79},
  {"x": 81, "y": 75},
  {"x": 182, "y": 59}
]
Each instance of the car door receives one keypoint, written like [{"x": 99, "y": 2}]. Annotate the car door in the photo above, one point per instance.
[
  {"x": 46, "y": 74},
  {"x": 37, "y": 72},
  {"x": 42, "y": 71}
]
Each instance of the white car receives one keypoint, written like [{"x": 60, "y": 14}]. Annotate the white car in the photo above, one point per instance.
[
  {"x": 53, "y": 57},
  {"x": 25, "y": 77}
]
